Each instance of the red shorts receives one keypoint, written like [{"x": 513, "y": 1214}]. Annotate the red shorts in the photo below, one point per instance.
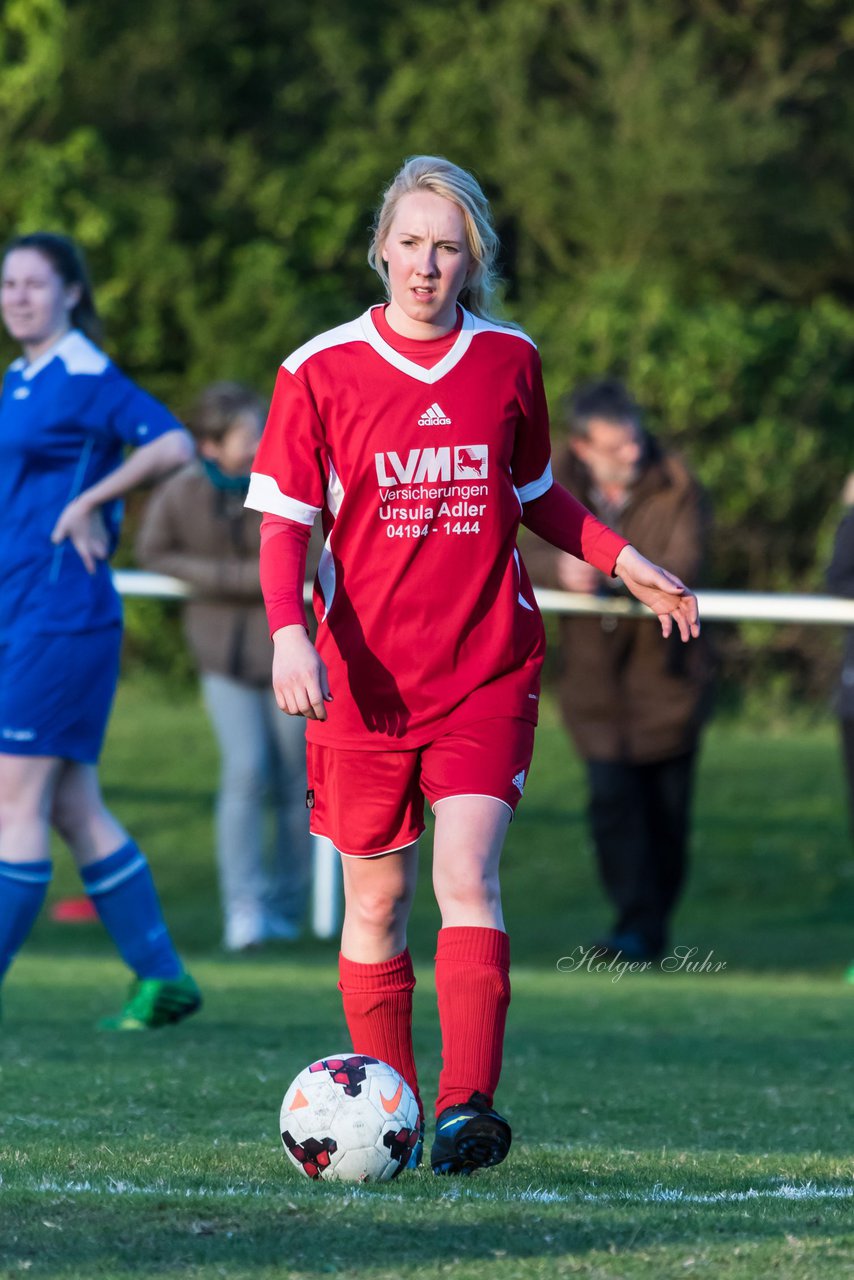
[{"x": 372, "y": 802}]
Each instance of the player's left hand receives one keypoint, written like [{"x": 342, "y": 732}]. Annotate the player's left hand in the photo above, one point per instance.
[
  {"x": 84, "y": 527},
  {"x": 660, "y": 591}
]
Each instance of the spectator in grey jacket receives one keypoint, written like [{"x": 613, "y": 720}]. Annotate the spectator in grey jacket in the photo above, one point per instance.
[{"x": 196, "y": 528}]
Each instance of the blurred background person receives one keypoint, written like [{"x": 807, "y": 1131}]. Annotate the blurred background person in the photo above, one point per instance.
[
  {"x": 196, "y": 528},
  {"x": 67, "y": 416},
  {"x": 840, "y": 580},
  {"x": 633, "y": 705}
]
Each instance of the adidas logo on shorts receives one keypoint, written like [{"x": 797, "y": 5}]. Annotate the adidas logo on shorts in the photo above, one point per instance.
[
  {"x": 434, "y": 417},
  {"x": 519, "y": 782}
]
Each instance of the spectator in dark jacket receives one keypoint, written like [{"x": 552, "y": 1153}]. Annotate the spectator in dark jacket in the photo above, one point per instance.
[
  {"x": 840, "y": 580},
  {"x": 196, "y": 528},
  {"x": 633, "y": 703}
]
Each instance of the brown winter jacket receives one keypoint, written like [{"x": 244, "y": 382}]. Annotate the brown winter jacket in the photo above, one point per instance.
[
  {"x": 207, "y": 538},
  {"x": 626, "y": 693}
]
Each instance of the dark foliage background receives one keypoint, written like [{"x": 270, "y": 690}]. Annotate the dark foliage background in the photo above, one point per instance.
[{"x": 674, "y": 184}]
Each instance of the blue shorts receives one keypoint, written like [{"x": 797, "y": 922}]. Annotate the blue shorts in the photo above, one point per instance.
[{"x": 56, "y": 692}]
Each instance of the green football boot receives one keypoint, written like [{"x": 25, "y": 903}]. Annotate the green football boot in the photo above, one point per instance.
[{"x": 155, "y": 1002}]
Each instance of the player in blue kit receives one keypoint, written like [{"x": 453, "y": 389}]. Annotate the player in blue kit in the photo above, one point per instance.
[{"x": 67, "y": 416}]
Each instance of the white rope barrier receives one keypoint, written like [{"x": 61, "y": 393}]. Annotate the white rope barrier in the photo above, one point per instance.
[
  {"x": 153, "y": 586},
  {"x": 715, "y": 606}
]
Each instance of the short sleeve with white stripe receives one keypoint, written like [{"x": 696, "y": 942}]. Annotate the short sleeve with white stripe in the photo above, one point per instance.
[
  {"x": 291, "y": 470},
  {"x": 531, "y": 460}
]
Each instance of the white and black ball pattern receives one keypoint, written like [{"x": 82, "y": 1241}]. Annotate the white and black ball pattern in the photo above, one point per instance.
[{"x": 349, "y": 1118}]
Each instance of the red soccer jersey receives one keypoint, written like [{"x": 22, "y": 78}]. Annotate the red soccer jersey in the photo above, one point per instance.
[{"x": 427, "y": 619}]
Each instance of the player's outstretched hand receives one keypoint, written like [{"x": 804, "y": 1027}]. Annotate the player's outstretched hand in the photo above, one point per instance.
[
  {"x": 84, "y": 527},
  {"x": 660, "y": 591},
  {"x": 300, "y": 680}
]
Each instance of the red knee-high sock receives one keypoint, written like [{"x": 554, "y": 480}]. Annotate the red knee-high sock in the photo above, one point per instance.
[
  {"x": 378, "y": 1007},
  {"x": 473, "y": 990}
]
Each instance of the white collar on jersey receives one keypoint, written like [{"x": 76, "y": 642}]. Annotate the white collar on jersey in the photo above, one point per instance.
[
  {"x": 75, "y": 350},
  {"x": 448, "y": 361}
]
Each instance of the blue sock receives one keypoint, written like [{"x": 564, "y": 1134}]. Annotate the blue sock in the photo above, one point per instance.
[
  {"x": 23, "y": 886},
  {"x": 125, "y": 898}
]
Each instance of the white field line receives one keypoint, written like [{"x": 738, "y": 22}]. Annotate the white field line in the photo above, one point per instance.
[
  {"x": 675, "y": 1195},
  {"x": 658, "y": 1194}
]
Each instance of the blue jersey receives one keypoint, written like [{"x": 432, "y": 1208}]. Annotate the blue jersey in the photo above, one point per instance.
[{"x": 65, "y": 420}]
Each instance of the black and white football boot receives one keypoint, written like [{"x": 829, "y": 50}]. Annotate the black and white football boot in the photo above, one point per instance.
[{"x": 468, "y": 1137}]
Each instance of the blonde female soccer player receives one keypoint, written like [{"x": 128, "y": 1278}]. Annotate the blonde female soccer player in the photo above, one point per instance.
[
  {"x": 67, "y": 414},
  {"x": 419, "y": 433}
]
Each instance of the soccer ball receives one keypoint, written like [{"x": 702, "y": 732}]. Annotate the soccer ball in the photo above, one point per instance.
[{"x": 349, "y": 1118}]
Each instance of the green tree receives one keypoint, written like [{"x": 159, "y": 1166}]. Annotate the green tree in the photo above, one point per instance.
[{"x": 673, "y": 183}]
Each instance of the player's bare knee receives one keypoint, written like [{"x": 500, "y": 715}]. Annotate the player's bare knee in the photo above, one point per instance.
[
  {"x": 65, "y": 823},
  {"x": 21, "y": 806},
  {"x": 74, "y": 815},
  {"x": 379, "y": 909},
  {"x": 468, "y": 888}
]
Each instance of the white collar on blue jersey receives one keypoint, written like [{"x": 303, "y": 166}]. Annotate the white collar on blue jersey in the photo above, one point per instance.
[{"x": 74, "y": 349}]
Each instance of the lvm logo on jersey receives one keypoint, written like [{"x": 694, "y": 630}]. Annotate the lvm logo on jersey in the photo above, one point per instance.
[{"x": 460, "y": 462}]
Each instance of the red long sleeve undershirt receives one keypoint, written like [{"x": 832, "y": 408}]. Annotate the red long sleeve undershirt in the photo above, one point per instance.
[
  {"x": 557, "y": 517},
  {"x": 284, "y": 550}
]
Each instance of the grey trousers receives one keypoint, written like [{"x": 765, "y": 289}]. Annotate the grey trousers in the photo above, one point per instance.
[{"x": 262, "y": 839}]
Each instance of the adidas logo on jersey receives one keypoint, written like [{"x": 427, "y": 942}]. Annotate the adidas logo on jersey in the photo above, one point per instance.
[
  {"x": 519, "y": 782},
  {"x": 434, "y": 417},
  {"x": 19, "y": 735}
]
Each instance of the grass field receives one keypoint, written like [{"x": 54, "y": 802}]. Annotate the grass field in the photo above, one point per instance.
[{"x": 666, "y": 1124}]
